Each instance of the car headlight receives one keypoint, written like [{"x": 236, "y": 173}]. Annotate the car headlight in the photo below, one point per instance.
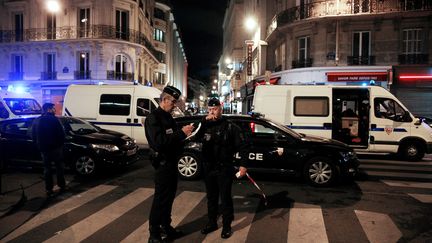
[
  {"x": 107, "y": 147},
  {"x": 348, "y": 155}
]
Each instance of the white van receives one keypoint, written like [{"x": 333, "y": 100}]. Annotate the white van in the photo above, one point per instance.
[
  {"x": 369, "y": 118},
  {"x": 121, "y": 108},
  {"x": 13, "y": 104}
]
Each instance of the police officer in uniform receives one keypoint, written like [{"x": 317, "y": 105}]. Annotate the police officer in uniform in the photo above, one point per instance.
[
  {"x": 166, "y": 143},
  {"x": 221, "y": 140}
]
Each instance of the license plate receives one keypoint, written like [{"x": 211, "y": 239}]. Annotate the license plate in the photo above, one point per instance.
[{"x": 131, "y": 152}]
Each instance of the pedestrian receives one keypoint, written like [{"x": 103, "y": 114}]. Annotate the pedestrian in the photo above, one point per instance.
[
  {"x": 49, "y": 136},
  {"x": 166, "y": 144},
  {"x": 221, "y": 139}
]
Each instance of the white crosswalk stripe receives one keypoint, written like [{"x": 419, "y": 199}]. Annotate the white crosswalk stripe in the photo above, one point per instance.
[
  {"x": 60, "y": 209},
  {"x": 378, "y": 227},
  {"x": 424, "y": 198},
  {"x": 302, "y": 220}
]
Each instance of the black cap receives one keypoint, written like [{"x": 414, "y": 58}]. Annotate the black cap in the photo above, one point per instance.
[
  {"x": 174, "y": 92},
  {"x": 47, "y": 106},
  {"x": 214, "y": 102}
]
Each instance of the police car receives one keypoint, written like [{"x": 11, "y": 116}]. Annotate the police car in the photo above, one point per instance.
[{"x": 277, "y": 148}]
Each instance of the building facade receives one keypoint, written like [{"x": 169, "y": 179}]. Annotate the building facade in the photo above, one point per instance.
[
  {"x": 347, "y": 34},
  {"x": 45, "y": 48}
]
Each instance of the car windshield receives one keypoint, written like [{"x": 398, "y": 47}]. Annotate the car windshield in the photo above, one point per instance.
[
  {"x": 23, "y": 106},
  {"x": 284, "y": 128},
  {"x": 78, "y": 126}
]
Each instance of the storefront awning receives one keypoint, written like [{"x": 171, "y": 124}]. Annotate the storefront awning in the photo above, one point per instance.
[{"x": 356, "y": 76}]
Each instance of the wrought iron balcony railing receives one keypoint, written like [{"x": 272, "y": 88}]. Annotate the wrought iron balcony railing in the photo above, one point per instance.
[
  {"x": 112, "y": 75},
  {"x": 80, "y": 75},
  {"x": 361, "y": 60},
  {"x": 74, "y": 32},
  {"x": 302, "y": 63},
  {"x": 48, "y": 75},
  {"x": 413, "y": 59},
  {"x": 327, "y": 8},
  {"x": 16, "y": 75}
]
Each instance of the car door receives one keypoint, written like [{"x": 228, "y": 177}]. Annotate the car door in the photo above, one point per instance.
[
  {"x": 16, "y": 141},
  {"x": 270, "y": 148}
]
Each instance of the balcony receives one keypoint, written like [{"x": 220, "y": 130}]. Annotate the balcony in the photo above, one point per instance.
[
  {"x": 413, "y": 59},
  {"x": 48, "y": 75},
  {"x": 328, "y": 8},
  {"x": 74, "y": 32},
  {"x": 360, "y": 60},
  {"x": 82, "y": 75},
  {"x": 112, "y": 75},
  {"x": 302, "y": 63},
  {"x": 16, "y": 75}
]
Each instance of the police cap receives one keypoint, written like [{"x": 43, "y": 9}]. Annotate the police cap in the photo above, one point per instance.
[
  {"x": 214, "y": 102},
  {"x": 47, "y": 106},
  {"x": 174, "y": 92}
]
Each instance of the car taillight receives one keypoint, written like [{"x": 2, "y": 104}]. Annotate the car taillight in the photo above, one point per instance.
[{"x": 252, "y": 126}]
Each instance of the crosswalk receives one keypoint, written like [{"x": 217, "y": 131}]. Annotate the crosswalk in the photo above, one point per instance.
[
  {"x": 108, "y": 213},
  {"x": 402, "y": 174}
]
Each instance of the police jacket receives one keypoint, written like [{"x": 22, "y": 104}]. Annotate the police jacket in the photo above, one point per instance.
[
  {"x": 163, "y": 135},
  {"x": 221, "y": 139},
  {"x": 48, "y": 132}
]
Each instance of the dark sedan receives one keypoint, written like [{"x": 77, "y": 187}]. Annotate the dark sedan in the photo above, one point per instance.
[
  {"x": 87, "y": 147},
  {"x": 278, "y": 149}
]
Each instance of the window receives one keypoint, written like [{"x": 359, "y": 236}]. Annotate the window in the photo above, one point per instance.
[
  {"x": 83, "y": 65},
  {"x": 303, "y": 48},
  {"x": 388, "y": 109},
  {"x": 17, "y": 63},
  {"x": 412, "y": 41},
  {"x": 84, "y": 22},
  {"x": 51, "y": 26},
  {"x": 23, "y": 106},
  {"x": 115, "y": 104},
  {"x": 311, "y": 106},
  {"x": 280, "y": 58},
  {"x": 361, "y": 44},
  {"x": 159, "y": 35},
  {"x": 159, "y": 78},
  {"x": 120, "y": 64},
  {"x": 159, "y": 14},
  {"x": 122, "y": 24},
  {"x": 20, "y": 128},
  {"x": 19, "y": 26},
  {"x": 4, "y": 114},
  {"x": 49, "y": 64},
  {"x": 144, "y": 107}
]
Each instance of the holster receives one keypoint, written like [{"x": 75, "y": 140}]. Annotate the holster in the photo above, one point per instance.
[{"x": 155, "y": 158}]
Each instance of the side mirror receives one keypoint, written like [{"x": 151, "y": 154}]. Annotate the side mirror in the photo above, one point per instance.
[
  {"x": 406, "y": 117},
  {"x": 418, "y": 122}
]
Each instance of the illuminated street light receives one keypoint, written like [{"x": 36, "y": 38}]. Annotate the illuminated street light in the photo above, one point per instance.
[
  {"x": 214, "y": 87},
  {"x": 250, "y": 23},
  {"x": 215, "y": 81},
  {"x": 201, "y": 97},
  {"x": 53, "y": 6},
  {"x": 228, "y": 60}
]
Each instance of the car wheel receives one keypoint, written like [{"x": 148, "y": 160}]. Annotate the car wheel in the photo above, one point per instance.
[
  {"x": 320, "y": 172},
  {"x": 412, "y": 151},
  {"x": 189, "y": 166},
  {"x": 85, "y": 165}
]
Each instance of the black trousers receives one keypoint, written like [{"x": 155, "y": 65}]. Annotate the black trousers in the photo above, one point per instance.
[
  {"x": 218, "y": 184},
  {"x": 55, "y": 156},
  {"x": 165, "y": 191}
]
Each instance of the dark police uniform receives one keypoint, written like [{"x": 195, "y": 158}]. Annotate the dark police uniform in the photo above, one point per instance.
[
  {"x": 221, "y": 140},
  {"x": 165, "y": 141}
]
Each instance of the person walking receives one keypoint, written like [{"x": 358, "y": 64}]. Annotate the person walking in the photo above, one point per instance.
[
  {"x": 166, "y": 144},
  {"x": 221, "y": 140},
  {"x": 49, "y": 136}
]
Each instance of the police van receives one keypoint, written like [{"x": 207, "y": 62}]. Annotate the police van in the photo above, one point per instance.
[
  {"x": 18, "y": 104},
  {"x": 121, "y": 108},
  {"x": 368, "y": 118}
]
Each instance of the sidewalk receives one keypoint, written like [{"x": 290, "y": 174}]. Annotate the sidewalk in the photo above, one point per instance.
[{"x": 14, "y": 184}]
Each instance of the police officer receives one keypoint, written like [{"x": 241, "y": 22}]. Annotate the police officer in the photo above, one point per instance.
[
  {"x": 221, "y": 139},
  {"x": 166, "y": 143}
]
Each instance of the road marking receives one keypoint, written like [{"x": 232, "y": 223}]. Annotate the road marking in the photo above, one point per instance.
[
  {"x": 96, "y": 221},
  {"x": 389, "y": 167},
  {"x": 424, "y": 198},
  {"x": 400, "y": 174},
  {"x": 59, "y": 209},
  {"x": 378, "y": 227},
  {"x": 374, "y": 161},
  {"x": 306, "y": 225},
  {"x": 412, "y": 184},
  {"x": 183, "y": 205}
]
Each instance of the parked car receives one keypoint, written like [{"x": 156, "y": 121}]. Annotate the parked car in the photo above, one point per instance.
[
  {"x": 87, "y": 147},
  {"x": 278, "y": 149}
]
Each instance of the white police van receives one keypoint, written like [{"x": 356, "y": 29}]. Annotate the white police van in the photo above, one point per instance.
[
  {"x": 369, "y": 119},
  {"x": 121, "y": 108},
  {"x": 18, "y": 104}
]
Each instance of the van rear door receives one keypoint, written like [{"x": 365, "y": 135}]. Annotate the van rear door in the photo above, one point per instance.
[
  {"x": 144, "y": 105},
  {"x": 115, "y": 109}
]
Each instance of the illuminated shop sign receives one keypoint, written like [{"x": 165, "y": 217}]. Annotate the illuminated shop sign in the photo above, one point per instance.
[{"x": 356, "y": 76}]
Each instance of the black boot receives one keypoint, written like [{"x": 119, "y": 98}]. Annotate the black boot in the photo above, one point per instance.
[
  {"x": 155, "y": 235},
  {"x": 171, "y": 232},
  {"x": 226, "y": 232},
  {"x": 210, "y": 227}
]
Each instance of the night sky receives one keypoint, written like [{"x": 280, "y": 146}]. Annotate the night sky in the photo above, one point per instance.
[{"x": 200, "y": 25}]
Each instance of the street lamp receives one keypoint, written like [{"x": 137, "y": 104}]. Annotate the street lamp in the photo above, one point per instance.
[
  {"x": 250, "y": 23},
  {"x": 53, "y": 6}
]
